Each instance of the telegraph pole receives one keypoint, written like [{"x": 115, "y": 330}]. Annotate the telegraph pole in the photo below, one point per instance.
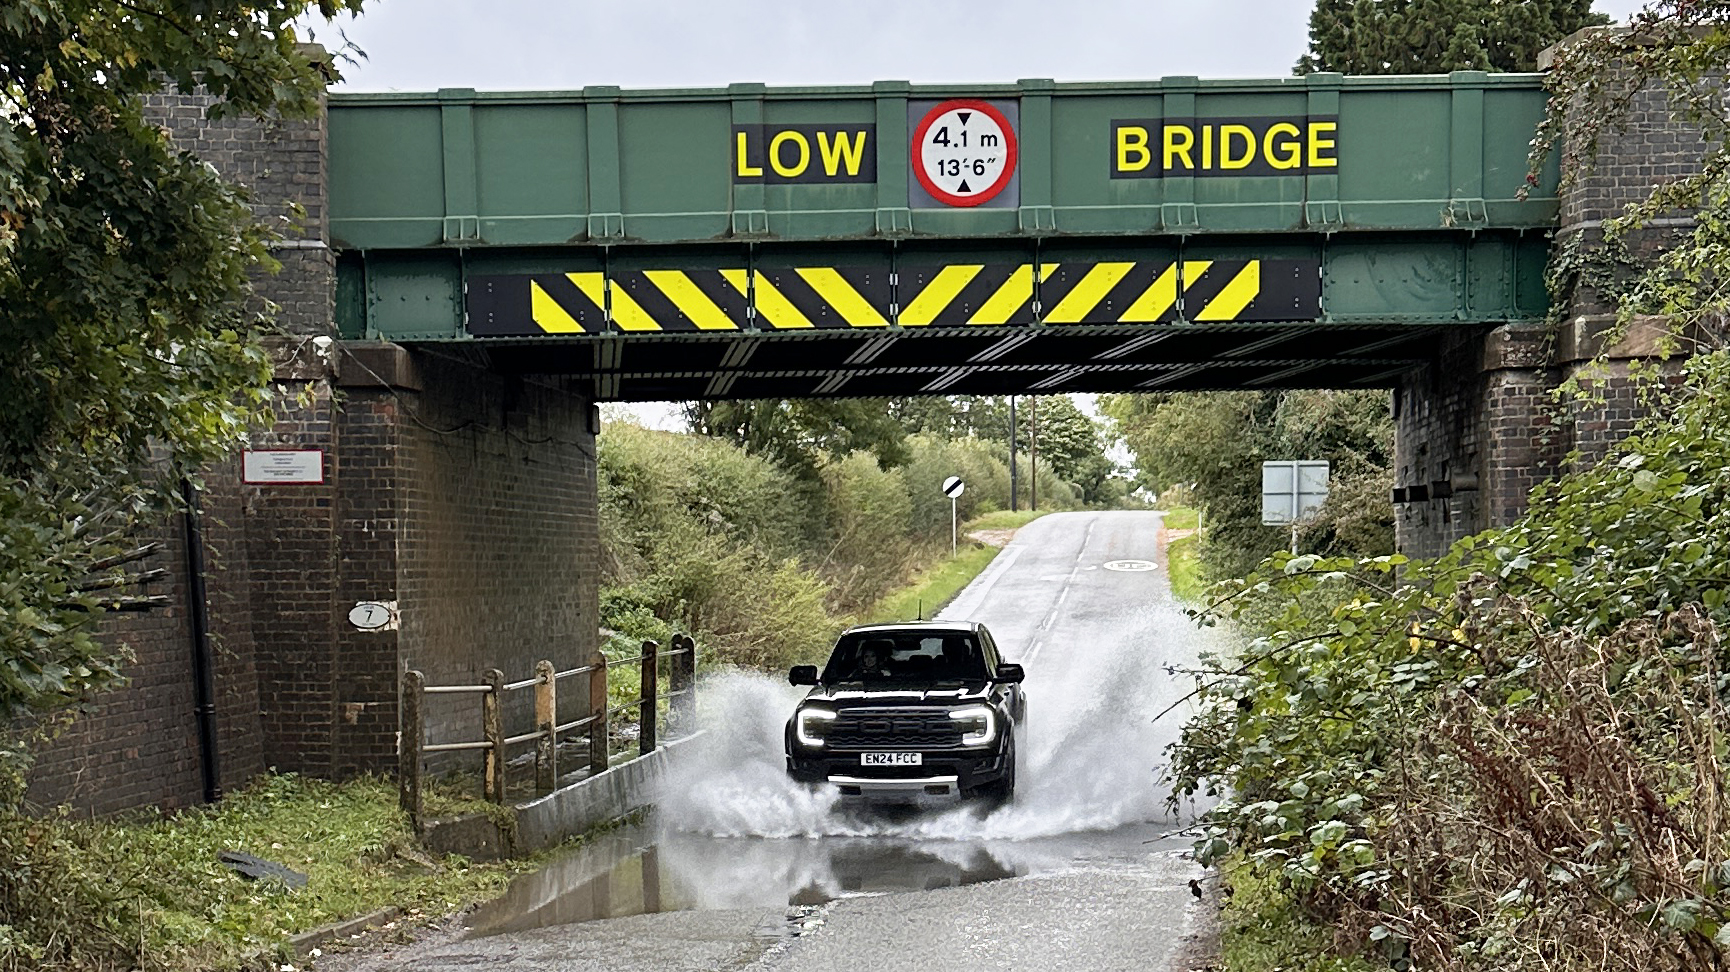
[
  {"x": 1033, "y": 455},
  {"x": 1014, "y": 491}
]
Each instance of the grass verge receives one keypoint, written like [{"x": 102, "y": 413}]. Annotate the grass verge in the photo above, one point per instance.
[
  {"x": 937, "y": 584},
  {"x": 933, "y": 587},
  {"x": 150, "y": 893},
  {"x": 1002, "y": 520},
  {"x": 1181, "y": 518},
  {"x": 1183, "y": 568}
]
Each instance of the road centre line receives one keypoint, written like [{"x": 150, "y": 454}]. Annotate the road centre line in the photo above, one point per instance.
[{"x": 1063, "y": 595}]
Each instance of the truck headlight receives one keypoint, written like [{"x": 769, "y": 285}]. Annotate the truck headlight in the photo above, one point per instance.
[
  {"x": 811, "y": 726},
  {"x": 978, "y": 724}
]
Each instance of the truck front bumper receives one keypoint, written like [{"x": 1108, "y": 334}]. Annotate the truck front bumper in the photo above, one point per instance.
[{"x": 943, "y": 776}]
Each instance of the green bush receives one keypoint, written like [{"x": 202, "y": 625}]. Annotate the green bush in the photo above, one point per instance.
[
  {"x": 695, "y": 529},
  {"x": 870, "y": 522},
  {"x": 783, "y": 620},
  {"x": 1510, "y": 757}
]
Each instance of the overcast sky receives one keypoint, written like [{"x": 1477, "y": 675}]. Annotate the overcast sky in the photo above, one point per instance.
[{"x": 421, "y": 45}]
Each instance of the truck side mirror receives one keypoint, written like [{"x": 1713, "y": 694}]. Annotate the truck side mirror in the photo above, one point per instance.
[
  {"x": 802, "y": 675},
  {"x": 1011, "y": 673}
]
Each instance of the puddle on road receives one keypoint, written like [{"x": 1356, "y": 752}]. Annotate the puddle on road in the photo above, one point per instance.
[{"x": 643, "y": 869}]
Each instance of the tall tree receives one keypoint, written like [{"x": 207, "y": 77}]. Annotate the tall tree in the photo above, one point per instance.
[
  {"x": 1436, "y": 36},
  {"x": 1070, "y": 444},
  {"x": 129, "y": 357},
  {"x": 797, "y": 433}
]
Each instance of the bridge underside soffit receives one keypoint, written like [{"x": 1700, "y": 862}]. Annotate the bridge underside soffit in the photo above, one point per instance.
[{"x": 1023, "y": 361}]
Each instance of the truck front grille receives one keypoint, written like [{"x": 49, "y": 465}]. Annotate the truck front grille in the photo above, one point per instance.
[{"x": 892, "y": 730}]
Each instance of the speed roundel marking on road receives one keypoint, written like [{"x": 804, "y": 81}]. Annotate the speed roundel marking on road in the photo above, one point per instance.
[{"x": 964, "y": 152}]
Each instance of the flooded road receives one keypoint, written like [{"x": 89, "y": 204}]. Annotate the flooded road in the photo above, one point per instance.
[
  {"x": 649, "y": 868},
  {"x": 741, "y": 868}
]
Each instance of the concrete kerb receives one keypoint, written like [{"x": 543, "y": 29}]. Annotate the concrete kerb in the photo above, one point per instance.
[
  {"x": 586, "y": 804},
  {"x": 557, "y": 817},
  {"x": 303, "y": 944}
]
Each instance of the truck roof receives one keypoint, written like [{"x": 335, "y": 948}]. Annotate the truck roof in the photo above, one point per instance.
[{"x": 968, "y": 626}]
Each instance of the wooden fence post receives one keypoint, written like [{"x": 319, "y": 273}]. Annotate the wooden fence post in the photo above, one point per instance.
[
  {"x": 691, "y": 676},
  {"x": 599, "y": 744},
  {"x": 646, "y": 713},
  {"x": 411, "y": 736},
  {"x": 681, "y": 685},
  {"x": 546, "y": 720},
  {"x": 493, "y": 727}
]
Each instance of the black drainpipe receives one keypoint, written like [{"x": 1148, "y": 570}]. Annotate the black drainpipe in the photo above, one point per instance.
[{"x": 203, "y": 670}]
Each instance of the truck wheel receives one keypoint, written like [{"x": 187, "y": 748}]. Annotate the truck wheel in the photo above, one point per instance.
[{"x": 999, "y": 792}]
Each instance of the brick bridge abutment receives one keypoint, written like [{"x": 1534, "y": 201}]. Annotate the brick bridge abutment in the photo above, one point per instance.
[
  {"x": 1484, "y": 422},
  {"x": 463, "y": 498}
]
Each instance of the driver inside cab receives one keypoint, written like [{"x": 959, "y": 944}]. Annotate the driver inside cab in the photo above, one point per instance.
[{"x": 873, "y": 660}]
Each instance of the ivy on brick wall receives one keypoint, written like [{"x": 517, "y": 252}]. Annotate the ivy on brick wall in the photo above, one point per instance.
[{"x": 1668, "y": 66}]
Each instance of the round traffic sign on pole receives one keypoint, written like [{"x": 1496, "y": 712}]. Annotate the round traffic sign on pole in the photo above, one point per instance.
[
  {"x": 964, "y": 152},
  {"x": 952, "y": 488}
]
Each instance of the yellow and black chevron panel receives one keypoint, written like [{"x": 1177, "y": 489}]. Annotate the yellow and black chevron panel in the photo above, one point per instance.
[
  {"x": 1109, "y": 293},
  {"x": 966, "y": 294},
  {"x": 1227, "y": 291},
  {"x": 1202, "y": 291},
  {"x": 546, "y": 303},
  {"x": 951, "y": 295},
  {"x": 679, "y": 300},
  {"x": 822, "y": 297}
]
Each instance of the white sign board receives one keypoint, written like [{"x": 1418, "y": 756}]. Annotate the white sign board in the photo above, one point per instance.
[
  {"x": 372, "y": 615},
  {"x": 953, "y": 486},
  {"x": 282, "y": 466},
  {"x": 1292, "y": 490}
]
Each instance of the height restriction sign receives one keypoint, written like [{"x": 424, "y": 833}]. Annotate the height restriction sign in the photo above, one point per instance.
[{"x": 964, "y": 152}]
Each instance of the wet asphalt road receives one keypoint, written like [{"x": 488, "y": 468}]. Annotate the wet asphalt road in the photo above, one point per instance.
[{"x": 1084, "y": 871}]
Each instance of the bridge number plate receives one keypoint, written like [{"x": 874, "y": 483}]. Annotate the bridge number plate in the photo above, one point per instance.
[
  {"x": 891, "y": 759},
  {"x": 964, "y": 152}
]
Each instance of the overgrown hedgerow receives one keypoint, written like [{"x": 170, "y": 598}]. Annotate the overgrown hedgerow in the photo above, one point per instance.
[{"x": 1512, "y": 757}]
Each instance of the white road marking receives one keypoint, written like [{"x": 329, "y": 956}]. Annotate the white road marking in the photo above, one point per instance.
[{"x": 1063, "y": 595}]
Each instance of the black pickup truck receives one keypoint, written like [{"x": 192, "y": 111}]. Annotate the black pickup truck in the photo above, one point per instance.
[{"x": 922, "y": 712}]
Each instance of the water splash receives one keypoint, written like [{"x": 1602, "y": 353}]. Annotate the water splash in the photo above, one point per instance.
[{"x": 1091, "y": 752}]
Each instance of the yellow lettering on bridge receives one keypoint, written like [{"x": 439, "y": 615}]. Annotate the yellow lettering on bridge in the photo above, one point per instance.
[
  {"x": 1271, "y": 146},
  {"x": 803, "y": 152}
]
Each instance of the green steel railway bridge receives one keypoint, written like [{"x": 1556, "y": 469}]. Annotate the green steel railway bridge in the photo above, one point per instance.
[{"x": 898, "y": 239}]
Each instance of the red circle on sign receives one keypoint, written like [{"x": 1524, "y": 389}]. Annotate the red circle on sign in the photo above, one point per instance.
[{"x": 1011, "y": 149}]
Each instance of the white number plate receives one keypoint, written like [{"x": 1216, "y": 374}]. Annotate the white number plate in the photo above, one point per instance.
[{"x": 891, "y": 759}]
